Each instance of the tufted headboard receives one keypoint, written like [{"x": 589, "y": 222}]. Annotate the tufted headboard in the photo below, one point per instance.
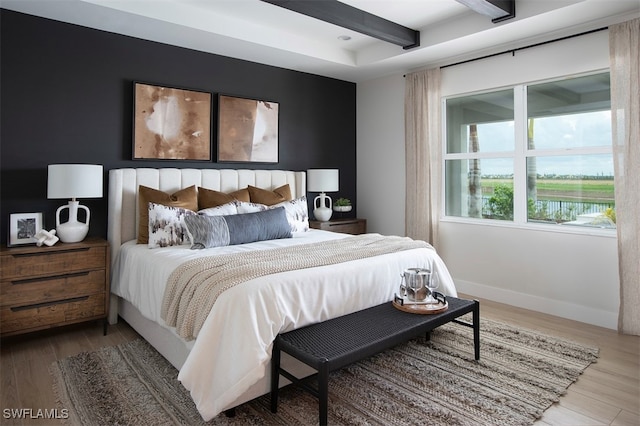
[{"x": 123, "y": 190}]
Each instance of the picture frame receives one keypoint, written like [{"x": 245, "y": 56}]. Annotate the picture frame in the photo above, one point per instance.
[
  {"x": 23, "y": 226},
  {"x": 171, "y": 123},
  {"x": 247, "y": 130}
]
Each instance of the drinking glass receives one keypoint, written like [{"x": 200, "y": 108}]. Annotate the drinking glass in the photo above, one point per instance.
[
  {"x": 403, "y": 287},
  {"x": 432, "y": 284}
]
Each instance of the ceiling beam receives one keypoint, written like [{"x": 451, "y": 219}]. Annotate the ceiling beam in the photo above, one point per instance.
[
  {"x": 346, "y": 16},
  {"x": 498, "y": 10}
]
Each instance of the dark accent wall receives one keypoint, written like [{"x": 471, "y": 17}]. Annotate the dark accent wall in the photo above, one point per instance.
[{"x": 67, "y": 94}]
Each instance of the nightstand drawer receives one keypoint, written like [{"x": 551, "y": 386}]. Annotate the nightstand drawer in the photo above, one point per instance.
[
  {"x": 45, "y": 262},
  {"x": 345, "y": 226},
  {"x": 45, "y": 315},
  {"x": 56, "y": 287}
]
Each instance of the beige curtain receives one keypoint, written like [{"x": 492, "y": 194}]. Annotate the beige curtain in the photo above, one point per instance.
[
  {"x": 624, "y": 40},
  {"x": 422, "y": 154}
]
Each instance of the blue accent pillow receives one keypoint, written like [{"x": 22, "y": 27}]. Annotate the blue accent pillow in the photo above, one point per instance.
[{"x": 218, "y": 231}]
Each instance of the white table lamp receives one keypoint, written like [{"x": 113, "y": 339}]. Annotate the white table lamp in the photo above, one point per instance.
[
  {"x": 73, "y": 181},
  {"x": 322, "y": 180}
]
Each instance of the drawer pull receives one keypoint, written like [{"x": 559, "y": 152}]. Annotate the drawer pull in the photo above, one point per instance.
[
  {"x": 42, "y": 305},
  {"x": 54, "y": 277},
  {"x": 18, "y": 255}
]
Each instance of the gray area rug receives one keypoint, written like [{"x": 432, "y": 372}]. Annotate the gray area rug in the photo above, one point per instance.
[{"x": 519, "y": 375}]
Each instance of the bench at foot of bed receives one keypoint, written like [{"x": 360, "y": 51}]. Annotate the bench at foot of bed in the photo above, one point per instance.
[{"x": 338, "y": 342}]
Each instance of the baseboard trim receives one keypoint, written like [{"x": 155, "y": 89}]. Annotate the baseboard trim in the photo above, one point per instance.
[{"x": 558, "y": 308}]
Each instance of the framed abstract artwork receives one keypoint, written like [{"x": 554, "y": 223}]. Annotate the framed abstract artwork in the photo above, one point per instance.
[
  {"x": 171, "y": 123},
  {"x": 247, "y": 130},
  {"x": 23, "y": 227}
]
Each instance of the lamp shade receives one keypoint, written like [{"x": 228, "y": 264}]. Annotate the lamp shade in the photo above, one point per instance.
[
  {"x": 323, "y": 180},
  {"x": 74, "y": 181}
]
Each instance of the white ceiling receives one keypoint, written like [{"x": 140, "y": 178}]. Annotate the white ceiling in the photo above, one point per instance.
[{"x": 260, "y": 32}]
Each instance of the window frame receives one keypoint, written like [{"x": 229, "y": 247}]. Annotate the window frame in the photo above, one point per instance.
[{"x": 520, "y": 154}]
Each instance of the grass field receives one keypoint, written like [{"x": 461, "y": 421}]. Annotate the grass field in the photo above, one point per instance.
[{"x": 595, "y": 191}]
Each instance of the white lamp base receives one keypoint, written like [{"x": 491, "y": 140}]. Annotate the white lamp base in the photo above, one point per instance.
[
  {"x": 322, "y": 210},
  {"x": 72, "y": 231},
  {"x": 323, "y": 214}
]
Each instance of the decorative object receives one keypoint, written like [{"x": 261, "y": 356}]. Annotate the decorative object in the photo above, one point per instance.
[
  {"x": 521, "y": 374},
  {"x": 46, "y": 237},
  {"x": 322, "y": 180},
  {"x": 73, "y": 181},
  {"x": 247, "y": 130},
  {"x": 23, "y": 227},
  {"x": 171, "y": 123},
  {"x": 342, "y": 205}
]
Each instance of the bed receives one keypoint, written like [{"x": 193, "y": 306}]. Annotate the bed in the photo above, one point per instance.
[{"x": 226, "y": 363}]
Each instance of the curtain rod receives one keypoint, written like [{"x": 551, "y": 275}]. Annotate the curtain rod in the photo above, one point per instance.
[{"x": 513, "y": 51}]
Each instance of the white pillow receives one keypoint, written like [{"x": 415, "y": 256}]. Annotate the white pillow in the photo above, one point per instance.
[
  {"x": 223, "y": 210},
  {"x": 246, "y": 207},
  {"x": 167, "y": 227},
  {"x": 296, "y": 210},
  {"x": 297, "y": 213}
]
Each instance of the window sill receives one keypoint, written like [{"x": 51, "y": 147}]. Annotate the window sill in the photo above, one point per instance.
[{"x": 538, "y": 227}]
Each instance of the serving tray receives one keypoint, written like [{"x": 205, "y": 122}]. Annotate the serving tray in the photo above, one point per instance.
[{"x": 421, "y": 308}]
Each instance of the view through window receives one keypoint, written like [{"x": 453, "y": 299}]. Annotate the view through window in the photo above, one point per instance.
[{"x": 538, "y": 153}]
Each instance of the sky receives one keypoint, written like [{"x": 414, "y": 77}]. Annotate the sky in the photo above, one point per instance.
[{"x": 566, "y": 132}]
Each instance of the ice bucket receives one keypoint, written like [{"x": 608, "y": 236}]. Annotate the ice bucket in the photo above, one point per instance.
[{"x": 415, "y": 284}]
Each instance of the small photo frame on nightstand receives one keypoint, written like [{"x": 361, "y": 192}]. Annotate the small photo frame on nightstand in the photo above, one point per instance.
[{"x": 22, "y": 228}]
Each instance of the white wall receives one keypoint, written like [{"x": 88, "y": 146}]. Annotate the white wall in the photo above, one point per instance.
[
  {"x": 380, "y": 154},
  {"x": 565, "y": 274}
]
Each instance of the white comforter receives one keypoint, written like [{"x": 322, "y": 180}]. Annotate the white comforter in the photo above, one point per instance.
[{"x": 231, "y": 353}]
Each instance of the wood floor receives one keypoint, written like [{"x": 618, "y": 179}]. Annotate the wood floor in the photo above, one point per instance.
[{"x": 607, "y": 393}]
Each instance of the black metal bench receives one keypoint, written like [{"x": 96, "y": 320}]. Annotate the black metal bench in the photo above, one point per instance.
[{"x": 338, "y": 342}]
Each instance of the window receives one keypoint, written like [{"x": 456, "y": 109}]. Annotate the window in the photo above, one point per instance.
[{"x": 538, "y": 153}]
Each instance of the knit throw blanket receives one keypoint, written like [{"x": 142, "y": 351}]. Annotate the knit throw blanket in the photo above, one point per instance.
[{"x": 194, "y": 286}]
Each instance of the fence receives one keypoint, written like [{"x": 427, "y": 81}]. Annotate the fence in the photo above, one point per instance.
[{"x": 567, "y": 210}]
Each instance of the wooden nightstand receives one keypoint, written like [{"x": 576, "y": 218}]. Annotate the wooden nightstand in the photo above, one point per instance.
[
  {"x": 45, "y": 287},
  {"x": 346, "y": 226}
]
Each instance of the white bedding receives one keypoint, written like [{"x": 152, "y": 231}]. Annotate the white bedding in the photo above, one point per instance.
[{"x": 233, "y": 349}]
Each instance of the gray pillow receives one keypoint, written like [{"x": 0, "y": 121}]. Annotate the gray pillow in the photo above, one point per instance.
[{"x": 217, "y": 231}]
